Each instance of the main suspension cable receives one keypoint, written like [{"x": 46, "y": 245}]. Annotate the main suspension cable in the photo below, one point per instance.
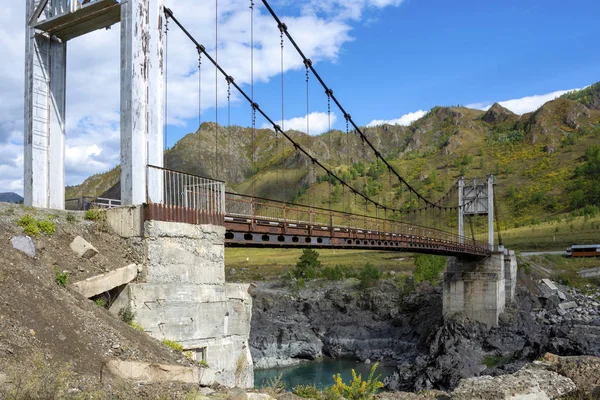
[{"x": 335, "y": 100}]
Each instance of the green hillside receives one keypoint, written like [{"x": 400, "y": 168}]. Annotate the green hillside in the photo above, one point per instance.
[{"x": 546, "y": 162}]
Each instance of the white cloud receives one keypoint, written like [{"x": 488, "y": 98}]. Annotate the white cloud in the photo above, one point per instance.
[
  {"x": 92, "y": 139},
  {"x": 404, "y": 120},
  {"x": 318, "y": 122},
  {"x": 524, "y": 104}
]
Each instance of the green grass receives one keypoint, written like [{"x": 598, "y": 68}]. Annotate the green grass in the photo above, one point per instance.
[
  {"x": 258, "y": 264},
  {"x": 556, "y": 235}
]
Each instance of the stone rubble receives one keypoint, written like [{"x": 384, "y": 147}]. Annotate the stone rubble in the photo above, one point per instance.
[
  {"x": 83, "y": 248},
  {"x": 24, "y": 244}
]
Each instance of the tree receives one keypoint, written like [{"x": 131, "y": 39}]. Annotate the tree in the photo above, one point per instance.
[{"x": 307, "y": 264}]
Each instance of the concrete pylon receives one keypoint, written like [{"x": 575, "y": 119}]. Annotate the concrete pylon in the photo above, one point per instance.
[
  {"x": 142, "y": 100},
  {"x": 49, "y": 25},
  {"x": 44, "y": 128}
]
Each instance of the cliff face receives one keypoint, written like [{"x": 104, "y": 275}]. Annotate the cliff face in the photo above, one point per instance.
[{"x": 385, "y": 324}]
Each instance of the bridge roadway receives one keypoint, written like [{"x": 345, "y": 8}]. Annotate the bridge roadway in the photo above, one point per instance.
[{"x": 255, "y": 222}]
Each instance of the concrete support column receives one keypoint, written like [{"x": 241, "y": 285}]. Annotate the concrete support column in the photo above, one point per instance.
[
  {"x": 142, "y": 98},
  {"x": 490, "y": 205},
  {"x": 44, "y": 128},
  {"x": 510, "y": 275},
  {"x": 475, "y": 289},
  {"x": 461, "y": 210}
]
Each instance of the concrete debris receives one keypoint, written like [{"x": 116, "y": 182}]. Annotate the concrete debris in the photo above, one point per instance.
[
  {"x": 144, "y": 372},
  {"x": 561, "y": 296},
  {"x": 527, "y": 383},
  {"x": 549, "y": 284},
  {"x": 590, "y": 273},
  {"x": 83, "y": 248},
  {"x": 24, "y": 244},
  {"x": 103, "y": 283},
  {"x": 568, "y": 305}
]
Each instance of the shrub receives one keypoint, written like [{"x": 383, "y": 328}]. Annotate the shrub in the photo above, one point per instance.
[
  {"x": 307, "y": 265},
  {"x": 29, "y": 225},
  {"x": 71, "y": 218},
  {"x": 126, "y": 315},
  {"x": 357, "y": 389},
  {"x": 173, "y": 344},
  {"x": 61, "y": 277},
  {"x": 46, "y": 226},
  {"x": 307, "y": 392},
  {"x": 100, "y": 302},
  {"x": 95, "y": 214},
  {"x": 332, "y": 273},
  {"x": 274, "y": 385},
  {"x": 429, "y": 268},
  {"x": 137, "y": 327},
  {"x": 369, "y": 275},
  {"x": 32, "y": 226}
]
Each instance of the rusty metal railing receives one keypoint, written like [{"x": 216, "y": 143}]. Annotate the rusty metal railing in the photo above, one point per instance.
[
  {"x": 179, "y": 197},
  {"x": 261, "y": 215}
]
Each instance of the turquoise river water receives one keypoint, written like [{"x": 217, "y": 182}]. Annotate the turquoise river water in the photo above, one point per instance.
[{"x": 320, "y": 373}]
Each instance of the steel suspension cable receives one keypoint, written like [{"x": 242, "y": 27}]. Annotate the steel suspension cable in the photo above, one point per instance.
[
  {"x": 256, "y": 108},
  {"x": 252, "y": 96},
  {"x": 217, "y": 169},
  {"x": 357, "y": 129}
]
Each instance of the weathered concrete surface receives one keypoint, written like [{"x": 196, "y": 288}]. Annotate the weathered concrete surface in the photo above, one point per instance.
[
  {"x": 184, "y": 297},
  {"x": 103, "y": 283},
  {"x": 510, "y": 276},
  {"x": 590, "y": 273},
  {"x": 185, "y": 253},
  {"x": 83, "y": 248},
  {"x": 24, "y": 244},
  {"x": 529, "y": 383},
  {"x": 475, "y": 289},
  {"x": 144, "y": 372},
  {"x": 126, "y": 221}
]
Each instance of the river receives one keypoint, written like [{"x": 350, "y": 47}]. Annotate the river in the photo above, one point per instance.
[{"x": 320, "y": 373}]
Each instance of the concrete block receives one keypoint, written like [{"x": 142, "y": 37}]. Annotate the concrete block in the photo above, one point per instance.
[
  {"x": 568, "y": 305},
  {"x": 475, "y": 289},
  {"x": 103, "y": 283},
  {"x": 549, "y": 284},
  {"x": 24, "y": 244},
  {"x": 590, "y": 273},
  {"x": 144, "y": 372},
  {"x": 126, "y": 221},
  {"x": 83, "y": 248}
]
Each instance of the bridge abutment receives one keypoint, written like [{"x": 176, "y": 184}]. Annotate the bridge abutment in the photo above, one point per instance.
[
  {"x": 476, "y": 289},
  {"x": 182, "y": 295}
]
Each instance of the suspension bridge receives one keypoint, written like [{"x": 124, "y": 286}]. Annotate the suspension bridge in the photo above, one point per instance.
[{"x": 412, "y": 222}]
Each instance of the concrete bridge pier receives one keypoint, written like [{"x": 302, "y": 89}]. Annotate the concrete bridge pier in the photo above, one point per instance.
[{"x": 476, "y": 289}]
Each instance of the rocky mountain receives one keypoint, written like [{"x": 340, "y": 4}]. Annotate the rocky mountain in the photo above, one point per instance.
[{"x": 534, "y": 157}]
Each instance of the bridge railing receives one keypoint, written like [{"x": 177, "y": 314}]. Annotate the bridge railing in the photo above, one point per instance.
[
  {"x": 256, "y": 210},
  {"x": 185, "y": 197}
]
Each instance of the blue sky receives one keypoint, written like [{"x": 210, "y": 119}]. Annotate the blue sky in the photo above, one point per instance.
[
  {"x": 386, "y": 60},
  {"x": 423, "y": 53}
]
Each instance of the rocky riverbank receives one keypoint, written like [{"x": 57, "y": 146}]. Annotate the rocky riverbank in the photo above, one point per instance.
[{"x": 407, "y": 329}]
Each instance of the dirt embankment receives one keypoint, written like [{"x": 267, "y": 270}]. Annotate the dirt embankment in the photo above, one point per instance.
[{"x": 39, "y": 317}]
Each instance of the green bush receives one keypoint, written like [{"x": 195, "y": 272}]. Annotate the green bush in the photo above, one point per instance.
[
  {"x": 71, "y": 218},
  {"x": 32, "y": 226},
  {"x": 173, "y": 344},
  {"x": 429, "y": 268},
  {"x": 369, "y": 275},
  {"x": 332, "y": 273},
  {"x": 95, "y": 214},
  {"x": 307, "y": 392},
  {"x": 61, "y": 277},
  {"x": 308, "y": 264},
  {"x": 100, "y": 302},
  {"x": 357, "y": 389},
  {"x": 29, "y": 225},
  {"x": 46, "y": 226},
  {"x": 126, "y": 315}
]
